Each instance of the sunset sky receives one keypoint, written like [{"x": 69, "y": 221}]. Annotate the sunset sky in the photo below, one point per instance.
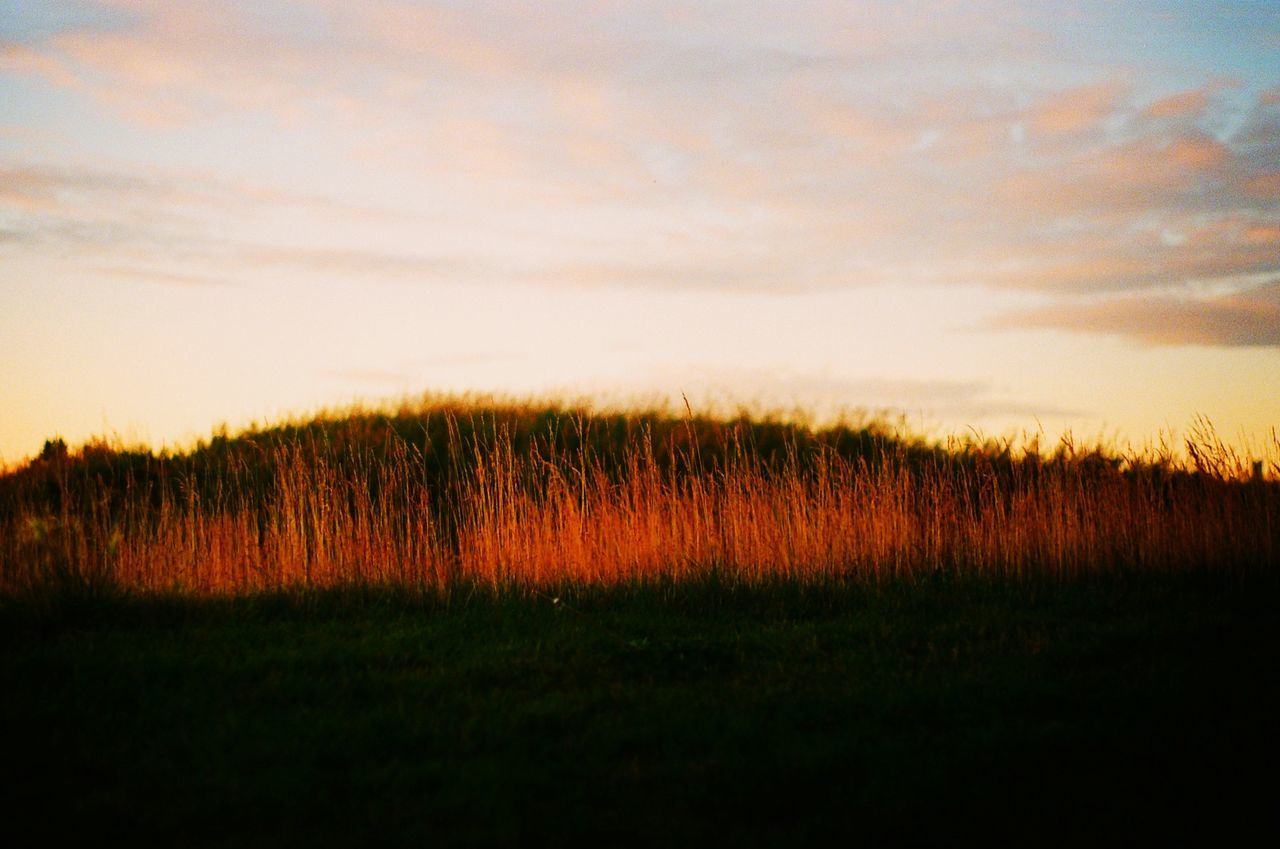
[{"x": 1009, "y": 216}]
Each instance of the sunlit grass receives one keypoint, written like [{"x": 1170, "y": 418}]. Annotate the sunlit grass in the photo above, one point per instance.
[{"x": 526, "y": 496}]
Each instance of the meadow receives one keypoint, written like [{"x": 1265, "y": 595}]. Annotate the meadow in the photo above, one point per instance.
[
  {"x": 520, "y": 496},
  {"x": 475, "y": 622}
]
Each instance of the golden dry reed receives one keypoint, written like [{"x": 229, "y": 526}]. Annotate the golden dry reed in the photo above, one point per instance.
[{"x": 534, "y": 517}]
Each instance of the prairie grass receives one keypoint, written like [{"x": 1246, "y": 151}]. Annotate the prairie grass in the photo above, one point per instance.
[{"x": 518, "y": 496}]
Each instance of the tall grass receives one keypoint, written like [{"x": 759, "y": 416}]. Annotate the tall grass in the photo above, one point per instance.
[{"x": 525, "y": 497}]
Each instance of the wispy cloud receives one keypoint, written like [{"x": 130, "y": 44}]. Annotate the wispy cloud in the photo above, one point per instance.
[
  {"x": 352, "y": 263},
  {"x": 935, "y": 399},
  {"x": 767, "y": 146},
  {"x": 160, "y": 275},
  {"x": 1247, "y": 318},
  {"x": 1078, "y": 110},
  {"x": 148, "y": 216}
]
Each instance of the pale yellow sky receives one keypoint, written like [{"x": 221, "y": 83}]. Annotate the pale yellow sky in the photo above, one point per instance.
[{"x": 999, "y": 216}]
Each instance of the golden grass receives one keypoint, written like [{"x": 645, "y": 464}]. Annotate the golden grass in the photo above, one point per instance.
[{"x": 537, "y": 516}]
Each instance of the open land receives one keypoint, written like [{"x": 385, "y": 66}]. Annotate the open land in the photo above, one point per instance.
[{"x": 506, "y": 625}]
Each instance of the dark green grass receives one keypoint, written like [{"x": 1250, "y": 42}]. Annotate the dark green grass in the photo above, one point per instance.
[{"x": 1052, "y": 712}]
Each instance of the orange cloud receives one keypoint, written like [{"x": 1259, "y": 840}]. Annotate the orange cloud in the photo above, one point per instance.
[
  {"x": 873, "y": 136},
  {"x": 20, "y": 59},
  {"x": 1263, "y": 234},
  {"x": 1190, "y": 102},
  {"x": 1142, "y": 174},
  {"x": 1196, "y": 154},
  {"x": 174, "y": 61},
  {"x": 26, "y": 189},
  {"x": 1248, "y": 319},
  {"x": 151, "y": 60},
  {"x": 1078, "y": 109},
  {"x": 1109, "y": 254},
  {"x": 442, "y": 38},
  {"x": 823, "y": 161},
  {"x": 1266, "y": 186}
]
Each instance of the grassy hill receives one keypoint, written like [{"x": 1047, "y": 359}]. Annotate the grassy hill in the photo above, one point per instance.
[
  {"x": 466, "y": 623},
  {"x": 450, "y": 490}
]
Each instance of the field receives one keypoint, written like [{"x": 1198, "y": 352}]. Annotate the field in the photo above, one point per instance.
[{"x": 478, "y": 623}]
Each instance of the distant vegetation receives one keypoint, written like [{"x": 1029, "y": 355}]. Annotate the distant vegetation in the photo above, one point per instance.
[{"x": 522, "y": 495}]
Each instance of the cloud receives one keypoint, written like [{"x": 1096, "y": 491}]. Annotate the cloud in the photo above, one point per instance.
[
  {"x": 39, "y": 185},
  {"x": 1265, "y": 186},
  {"x": 1180, "y": 105},
  {"x": 1077, "y": 109},
  {"x": 779, "y": 148},
  {"x": 99, "y": 214},
  {"x": 1248, "y": 318},
  {"x": 349, "y": 263},
  {"x": 24, "y": 60},
  {"x": 175, "y": 226},
  {"x": 1145, "y": 174},
  {"x": 159, "y": 275},
  {"x": 726, "y": 388},
  {"x": 165, "y": 63}
]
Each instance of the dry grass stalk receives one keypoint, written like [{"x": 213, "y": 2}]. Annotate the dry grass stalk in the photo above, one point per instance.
[{"x": 533, "y": 519}]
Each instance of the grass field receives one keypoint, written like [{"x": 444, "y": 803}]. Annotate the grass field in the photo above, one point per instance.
[
  {"x": 442, "y": 492},
  {"x": 957, "y": 711},
  {"x": 505, "y": 624}
]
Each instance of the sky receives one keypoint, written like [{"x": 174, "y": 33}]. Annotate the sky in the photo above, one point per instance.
[{"x": 983, "y": 217}]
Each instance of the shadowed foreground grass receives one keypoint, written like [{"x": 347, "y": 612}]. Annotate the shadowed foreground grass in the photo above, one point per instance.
[{"x": 700, "y": 712}]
